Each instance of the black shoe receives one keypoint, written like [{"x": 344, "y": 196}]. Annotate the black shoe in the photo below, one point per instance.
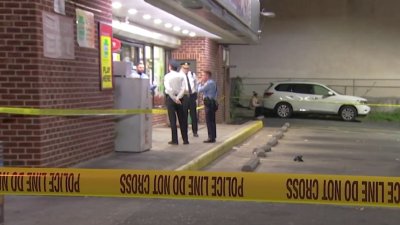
[
  {"x": 186, "y": 142},
  {"x": 173, "y": 143},
  {"x": 209, "y": 141},
  {"x": 195, "y": 135}
]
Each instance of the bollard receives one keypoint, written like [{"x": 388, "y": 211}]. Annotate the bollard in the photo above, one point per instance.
[
  {"x": 259, "y": 152},
  {"x": 272, "y": 142},
  {"x": 251, "y": 164},
  {"x": 284, "y": 128},
  {"x": 278, "y": 134},
  {"x": 266, "y": 148},
  {"x": 287, "y": 125}
]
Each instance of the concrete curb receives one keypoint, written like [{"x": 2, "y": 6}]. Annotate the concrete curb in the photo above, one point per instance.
[{"x": 206, "y": 158}]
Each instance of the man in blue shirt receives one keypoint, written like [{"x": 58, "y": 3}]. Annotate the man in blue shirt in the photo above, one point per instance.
[{"x": 208, "y": 87}]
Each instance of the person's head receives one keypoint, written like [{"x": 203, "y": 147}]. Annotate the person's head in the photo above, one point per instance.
[
  {"x": 140, "y": 68},
  {"x": 205, "y": 75},
  {"x": 185, "y": 67},
  {"x": 255, "y": 94},
  {"x": 173, "y": 65}
]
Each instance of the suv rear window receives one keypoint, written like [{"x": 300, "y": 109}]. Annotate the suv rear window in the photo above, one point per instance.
[{"x": 283, "y": 87}]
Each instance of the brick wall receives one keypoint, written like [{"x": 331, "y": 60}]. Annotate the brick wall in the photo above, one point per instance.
[
  {"x": 30, "y": 80},
  {"x": 208, "y": 56}
]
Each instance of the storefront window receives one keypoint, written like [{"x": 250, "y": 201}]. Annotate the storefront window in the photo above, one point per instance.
[
  {"x": 149, "y": 61},
  {"x": 153, "y": 57}
]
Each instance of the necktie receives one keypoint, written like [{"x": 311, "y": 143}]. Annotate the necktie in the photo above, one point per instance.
[{"x": 187, "y": 79}]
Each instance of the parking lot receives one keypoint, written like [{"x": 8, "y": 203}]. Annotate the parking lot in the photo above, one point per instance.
[{"x": 328, "y": 146}]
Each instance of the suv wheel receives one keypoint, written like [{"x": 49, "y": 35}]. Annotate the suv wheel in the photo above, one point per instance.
[
  {"x": 348, "y": 113},
  {"x": 283, "y": 110}
]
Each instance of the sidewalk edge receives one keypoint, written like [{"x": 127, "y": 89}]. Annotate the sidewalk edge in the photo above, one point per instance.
[{"x": 206, "y": 158}]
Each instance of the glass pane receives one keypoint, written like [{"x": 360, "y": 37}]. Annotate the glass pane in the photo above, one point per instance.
[
  {"x": 159, "y": 70},
  {"x": 319, "y": 90},
  {"x": 126, "y": 53},
  {"x": 149, "y": 61}
]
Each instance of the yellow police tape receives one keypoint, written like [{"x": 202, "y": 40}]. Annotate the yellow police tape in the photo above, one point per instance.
[
  {"x": 83, "y": 112},
  {"x": 78, "y": 112},
  {"x": 284, "y": 188}
]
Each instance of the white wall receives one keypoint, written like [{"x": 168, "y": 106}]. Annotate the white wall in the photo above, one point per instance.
[{"x": 351, "y": 44}]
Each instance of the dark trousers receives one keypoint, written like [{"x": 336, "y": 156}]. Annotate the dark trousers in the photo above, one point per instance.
[
  {"x": 258, "y": 111},
  {"x": 177, "y": 110},
  {"x": 192, "y": 108},
  {"x": 210, "y": 109}
]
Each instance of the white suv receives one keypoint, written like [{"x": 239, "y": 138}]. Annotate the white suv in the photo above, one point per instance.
[{"x": 284, "y": 98}]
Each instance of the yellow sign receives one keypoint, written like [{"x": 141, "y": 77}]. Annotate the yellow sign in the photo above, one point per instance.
[
  {"x": 285, "y": 188},
  {"x": 106, "y": 56}
]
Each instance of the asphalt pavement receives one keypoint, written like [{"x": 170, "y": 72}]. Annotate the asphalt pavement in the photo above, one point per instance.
[{"x": 36, "y": 210}]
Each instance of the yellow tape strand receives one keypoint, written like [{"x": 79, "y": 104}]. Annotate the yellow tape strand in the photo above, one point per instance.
[
  {"x": 79, "y": 112},
  {"x": 285, "y": 188},
  {"x": 83, "y": 112}
]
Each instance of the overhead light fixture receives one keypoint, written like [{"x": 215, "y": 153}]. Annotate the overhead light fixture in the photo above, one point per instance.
[
  {"x": 116, "y": 5},
  {"x": 132, "y": 11},
  {"x": 168, "y": 25},
  {"x": 267, "y": 14},
  {"x": 192, "y": 34},
  {"x": 177, "y": 28},
  {"x": 157, "y": 21},
  {"x": 146, "y": 16},
  {"x": 185, "y": 31}
]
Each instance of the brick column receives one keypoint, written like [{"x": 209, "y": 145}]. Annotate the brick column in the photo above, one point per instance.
[
  {"x": 208, "y": 56},
  {"x": 28, "y": 79}
]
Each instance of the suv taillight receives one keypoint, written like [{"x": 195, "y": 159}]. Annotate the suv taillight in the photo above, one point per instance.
[{"x": 267, "y": 94}]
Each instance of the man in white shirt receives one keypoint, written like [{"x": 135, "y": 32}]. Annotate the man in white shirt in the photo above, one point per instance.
[
  {"x": 191, "y": 91},
  {"x": 175, "y": 99}
]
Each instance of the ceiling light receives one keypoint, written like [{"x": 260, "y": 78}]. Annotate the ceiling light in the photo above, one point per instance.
[
  {"x": 176, "y": 28},
  {"x": 116, "y": 5},
  {"x": 192, "y": 34},
  {"x": 168, "y": 25},
  {"x": 157, "y": 21},
  {"x": 185, "y": 31},
  {"x": 146, "y": 16},
  {"x": 132, "y": 11}
]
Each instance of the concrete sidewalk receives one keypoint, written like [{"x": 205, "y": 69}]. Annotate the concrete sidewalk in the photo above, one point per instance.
[
  {"x": 163, "y": 156},
  {"x": 36, "y": 210}
]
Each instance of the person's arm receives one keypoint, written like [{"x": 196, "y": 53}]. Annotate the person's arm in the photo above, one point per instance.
[
  {"x": 183, "y": 86},
  {"x": 195, "y": 83},
  {"x": 207, "y": 86},
  {"x": 255, "y": 102}
]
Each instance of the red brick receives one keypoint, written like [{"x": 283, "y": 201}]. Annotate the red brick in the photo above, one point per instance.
[
  {"x": 24, "y": 156},
  {"x": 13, "y": 30},
  {"x": 4, "y": 11},
  {"x": 64, "y": 84},
  {"x": 11, "y": 5}
]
